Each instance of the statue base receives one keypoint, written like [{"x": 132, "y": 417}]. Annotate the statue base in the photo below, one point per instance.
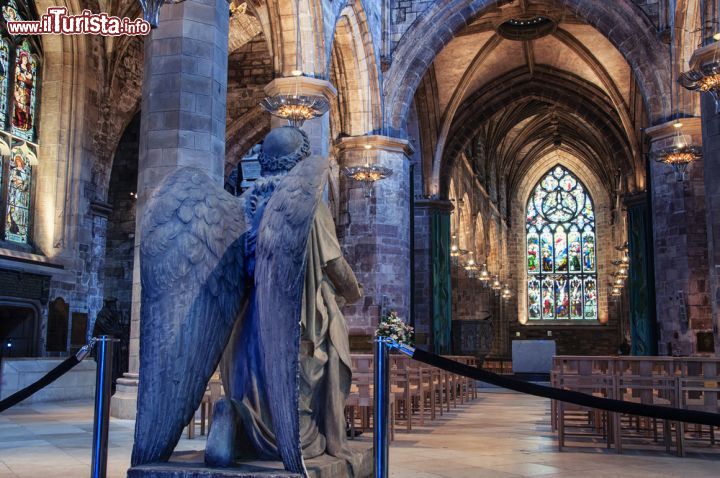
[{"x": 191, "y": 465}]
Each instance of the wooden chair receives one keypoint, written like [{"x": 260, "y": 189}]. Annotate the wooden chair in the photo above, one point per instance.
[{"x": 582, "y": 418}]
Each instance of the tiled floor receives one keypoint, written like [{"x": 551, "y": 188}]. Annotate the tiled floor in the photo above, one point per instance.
[{"x": 498, "y": 435}]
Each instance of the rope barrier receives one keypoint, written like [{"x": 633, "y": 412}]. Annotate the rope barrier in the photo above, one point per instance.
[
  {"x": 48, "y": 378},
  {"x": 568, "y": 396}
]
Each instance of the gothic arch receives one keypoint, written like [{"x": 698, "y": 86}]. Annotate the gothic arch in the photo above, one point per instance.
[
  {"x": 625, "y": 26},
  {"x": 598, "y": 191},
  {"x": 545, "y": 88},
  {"x": 353, "y": 71},
  {"x": 63, "y": 117},
  {"x": 278, "y": 22}
]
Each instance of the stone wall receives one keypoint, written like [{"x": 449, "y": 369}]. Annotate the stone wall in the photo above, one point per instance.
[
  {"x": 249, "y": 70},
  {"x": 711, "y": 146},
  {"x": 681, "y": 258}
]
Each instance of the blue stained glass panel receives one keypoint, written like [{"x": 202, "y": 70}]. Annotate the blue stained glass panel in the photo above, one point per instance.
[
  {"x": 10, "y": 12},
  {"x": 534, "y": 299},
  {"x": 4, "y": 68},
  {"x": 546, "y": 250}
]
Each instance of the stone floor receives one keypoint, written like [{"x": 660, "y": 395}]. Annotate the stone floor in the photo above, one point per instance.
[{"x": 500, "y": 435}]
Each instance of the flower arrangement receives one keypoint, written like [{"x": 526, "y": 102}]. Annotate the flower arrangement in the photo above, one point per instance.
[{"x": 392, "y": 326}]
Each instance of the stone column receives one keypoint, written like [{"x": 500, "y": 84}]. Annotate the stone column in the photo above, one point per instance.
[
  {"x": 432, "y": 273},
  {"x": 182, "y": 124},
  {"x": 711, "y": 148},
  {"x": 680, "y": 247},
  {"x": 641, "y": 286},
  {"x": 375, "y": 231}
]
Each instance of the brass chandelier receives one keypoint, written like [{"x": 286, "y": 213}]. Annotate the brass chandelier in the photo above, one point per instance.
[
  {"x": 367, "y": 174},
  {"x": 296, "y": 108},
  {"x": 679, "y": 155},
  {"x": 704, "y": 73},
  {"x": 293, "y": 106}
]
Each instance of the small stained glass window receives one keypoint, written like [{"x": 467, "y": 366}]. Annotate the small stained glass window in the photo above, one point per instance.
[
  {"x": 20, "y": 69},
  {"x": 561, "y": 250},
  {"x": 17, "y": 220},
  {"x": 10, "y": 12},
  {"x": 24, "y": 94},
  {"x": 4, "y": 68}
]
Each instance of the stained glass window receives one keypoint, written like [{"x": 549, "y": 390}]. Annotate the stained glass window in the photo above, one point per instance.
[
  {"x": 4, "y": 67},
  {"x": 10, "y": 12},
  {"x": 23, "y": 118},
  {"x": 20, "y": 65},
  {"x": 561, "y": 250},
  {"x": 18, "y": 201}
]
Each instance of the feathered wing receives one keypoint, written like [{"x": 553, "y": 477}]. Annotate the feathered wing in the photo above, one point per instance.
[
  {"x": 193, "y": 291},
  {"x": 279, "y": 279}
]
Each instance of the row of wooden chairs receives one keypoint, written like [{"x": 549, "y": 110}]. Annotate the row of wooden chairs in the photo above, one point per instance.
[
  {"x": 689, "y": 383},
  {"x": 417, "y": 391}
]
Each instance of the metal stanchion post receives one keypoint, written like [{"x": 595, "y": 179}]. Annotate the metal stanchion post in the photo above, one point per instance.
[
  {"x": 103, "y": 384},
  {"x": 382, "y": 408}
]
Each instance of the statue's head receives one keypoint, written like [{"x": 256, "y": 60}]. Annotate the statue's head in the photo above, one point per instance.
[{"x": 282, "y": 149}]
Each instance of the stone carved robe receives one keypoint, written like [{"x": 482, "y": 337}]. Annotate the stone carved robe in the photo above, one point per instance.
[{"x": 325, "y": 367}]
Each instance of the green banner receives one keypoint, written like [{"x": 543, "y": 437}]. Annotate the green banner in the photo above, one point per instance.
[
  {"x": 643, "y": 325},
  {"x": 441, "y": 285}
]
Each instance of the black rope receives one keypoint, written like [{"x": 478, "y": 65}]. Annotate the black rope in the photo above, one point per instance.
[
  {"x": 46, "y": 380},
  {"x": 569, "y": 396}
]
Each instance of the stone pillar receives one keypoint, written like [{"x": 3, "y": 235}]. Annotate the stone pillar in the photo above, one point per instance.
[
  {"x": 680, "y": 247},
  {"x": 641, "y": 286},
  {"x": 711, "y": 148},
  {"x": 182, "y": 124},
  {"x": 432, "y": 273},
  {"x": 375, "y": 231}
]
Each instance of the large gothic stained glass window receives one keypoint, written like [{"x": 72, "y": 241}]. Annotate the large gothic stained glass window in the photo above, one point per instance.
[
  {"x": 20, "y": 62},
  {"x": 561, "y": 250}
]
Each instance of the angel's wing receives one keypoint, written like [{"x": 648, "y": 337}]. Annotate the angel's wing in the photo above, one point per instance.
[
  {"x": 279, "y": 278},
  {"x": 193, "y": 290}
]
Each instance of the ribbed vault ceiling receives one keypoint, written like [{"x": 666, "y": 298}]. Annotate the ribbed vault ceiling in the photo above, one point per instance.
[{"x": 569, "y": 89}]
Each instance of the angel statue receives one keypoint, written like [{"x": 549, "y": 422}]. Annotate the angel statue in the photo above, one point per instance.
[{"x": 257, "y": 280}]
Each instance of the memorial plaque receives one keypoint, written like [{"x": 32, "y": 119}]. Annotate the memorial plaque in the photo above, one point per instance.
[
  {"x": 472, "y": 337},
  {"x": 705, "y": 342}
]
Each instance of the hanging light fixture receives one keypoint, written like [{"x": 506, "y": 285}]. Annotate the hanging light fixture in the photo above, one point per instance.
[
  {"x": 484, "y": 275},
  {"x": 455, "y": 251},
  {"x": 704, "y": 73},
  {"x": 367, "y": 174},
  {"x": 496, "y": 284},
  {"x": 506, "y": 292},
  {"x": 619, "y": 281},
  {"x": 679, "y": 154},
  {"x": 293, "y": 106},
  {"x": 471, "y": 266}
]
